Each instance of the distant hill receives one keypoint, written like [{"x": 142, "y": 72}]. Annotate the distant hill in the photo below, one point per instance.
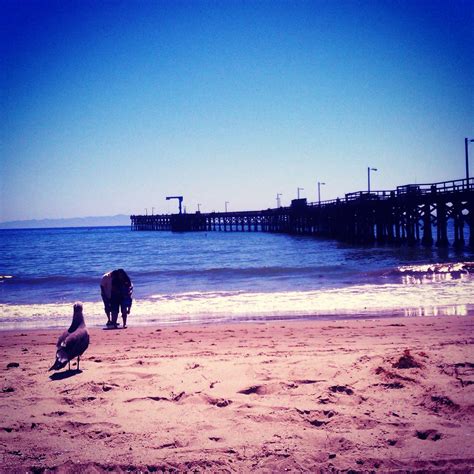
[{"x": 103, "y": 221}]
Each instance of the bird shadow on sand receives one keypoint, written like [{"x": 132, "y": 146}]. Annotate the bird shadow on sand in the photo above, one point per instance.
[{"x": 65, "y": 375}]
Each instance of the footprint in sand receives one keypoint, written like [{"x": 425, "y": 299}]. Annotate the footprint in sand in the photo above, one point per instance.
[
  {"x": 439, "y": 403},
  {"x": 172, "y": 398},
  {"x": 267, "y": 389},
  {"x": 341, "y": 389},
  {"x": 56, "y": 413},
  {"x": 218, "y": 402},
  {"x": 314, "y": 417},
  {"x": 431, "y": 435},
  {"x": 257, "y": 389},
  {"x": 464, "y": 373},
  {"x": 391, "y": 385},
  {"x": 406, "y": 361},
  {"x": 308, "y": 381}
]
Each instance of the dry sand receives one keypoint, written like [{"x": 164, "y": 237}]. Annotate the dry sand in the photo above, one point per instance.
[{"x": 287, "y": 396}]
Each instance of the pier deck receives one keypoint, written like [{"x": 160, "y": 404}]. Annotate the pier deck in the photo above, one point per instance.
[{"x": 409, "y": 214}]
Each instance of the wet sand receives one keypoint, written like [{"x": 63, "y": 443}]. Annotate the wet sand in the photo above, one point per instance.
[{"x": 365, "y": 395}]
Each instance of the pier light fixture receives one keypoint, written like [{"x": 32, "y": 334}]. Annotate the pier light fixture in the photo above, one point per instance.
[
  {"x": 146, "y": 211},
  {"x": 369, "y": 169},
  {"x": 152, "y": 210},
  {"x": 278, "y": 199},
  {"x": 199, "y": 207},
  {"x": 226, "y": 203},
  {"x": 298, "y": 191},
  {"x": 466, "y": 150},
  {"x": 319, "y": 192}
]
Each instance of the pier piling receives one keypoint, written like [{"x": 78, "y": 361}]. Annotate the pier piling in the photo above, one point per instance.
[{"x": 410, "y": 214}]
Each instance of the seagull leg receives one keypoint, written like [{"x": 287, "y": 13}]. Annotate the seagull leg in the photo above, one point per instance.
[
  {"x": 78, "y": 363},
  {"x": 69, "y": 367}
]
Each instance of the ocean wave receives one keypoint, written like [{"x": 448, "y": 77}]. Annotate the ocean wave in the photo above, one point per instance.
[
  {"x": 447, "y": 298},
  {"x": 435, "y": 272},
  {"x": 267, "y": 271},
  {"x": 50, "y": 280},
  {"x": 150, "y": 284},
  {"x": 207, "y": 273}
]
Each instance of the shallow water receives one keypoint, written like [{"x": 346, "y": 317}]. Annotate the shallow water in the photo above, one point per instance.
[{"x": 217, "y": 276}]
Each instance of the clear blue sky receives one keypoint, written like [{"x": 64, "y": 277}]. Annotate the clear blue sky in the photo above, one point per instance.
[{"x": 107, "y": 107}]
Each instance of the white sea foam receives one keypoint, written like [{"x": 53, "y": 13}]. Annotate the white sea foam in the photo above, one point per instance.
[{"x": 446, "y": 297}]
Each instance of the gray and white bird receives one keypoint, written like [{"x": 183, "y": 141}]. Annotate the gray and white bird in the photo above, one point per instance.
[{"x": 73, "y": 342}]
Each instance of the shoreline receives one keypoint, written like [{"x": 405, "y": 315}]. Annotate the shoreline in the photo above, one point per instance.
[
  {"x": 57, "y": 316},
  {"x": 238, "y": 397}
]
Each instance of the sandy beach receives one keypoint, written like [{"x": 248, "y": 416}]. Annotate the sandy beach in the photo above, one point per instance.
[{"x": 386, "y": 395}]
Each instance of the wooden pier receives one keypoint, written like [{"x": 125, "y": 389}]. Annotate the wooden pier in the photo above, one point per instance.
[{"x": 414, "y": 213}]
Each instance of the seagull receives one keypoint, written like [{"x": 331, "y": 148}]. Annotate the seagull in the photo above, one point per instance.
[{"x": 73, "y": 342}]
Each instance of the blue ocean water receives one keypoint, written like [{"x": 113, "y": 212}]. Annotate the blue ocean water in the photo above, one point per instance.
[{"x": 220, "y": 276}]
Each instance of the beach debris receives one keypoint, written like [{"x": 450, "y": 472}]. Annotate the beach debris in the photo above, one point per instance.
[
  {"x": 73, "y": 342},
  {"x": 13, "y": 365},
  {"x": 406, "y": 361},
  {"x": 8, "y": 389}
]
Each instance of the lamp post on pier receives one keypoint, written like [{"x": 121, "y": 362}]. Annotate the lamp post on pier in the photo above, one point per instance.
[
  {"x": 152, "y": 210},
  {"x": 278, "y": 199},
  {"x": 319, "y": 192},
  {"x": 227, "y": 202},
  {"x": 146, "y": 211},
  {"x": 199, "y": 207},
  {"x": 466, "y": 150},
  {"x": 298, "y": 191},
  {"x": 369, "y": 169}
]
